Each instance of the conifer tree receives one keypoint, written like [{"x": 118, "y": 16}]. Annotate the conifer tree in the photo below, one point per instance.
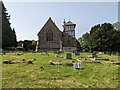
[{"x": 8, "y": 35}]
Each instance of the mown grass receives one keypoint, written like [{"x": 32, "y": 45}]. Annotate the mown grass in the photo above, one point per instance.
[{"x": 93, "y": 75}]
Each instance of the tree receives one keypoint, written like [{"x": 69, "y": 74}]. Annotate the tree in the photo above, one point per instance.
[
  {"x": 116, "y": 25},
  {"x": 27, "y": 45},
  {"x": 79, "y": 48},
  {"x": 85, "y": 41},
  {"x": 14, "y": 37},
  {"x": 8, "y": 35},
  {"x": 0, "y": 26},
  {"x": 102, "y": 38},
  {"x": 34, "y": 43}
]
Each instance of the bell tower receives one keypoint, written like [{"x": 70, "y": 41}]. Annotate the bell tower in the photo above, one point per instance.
[{"x": 69, "y": 28}]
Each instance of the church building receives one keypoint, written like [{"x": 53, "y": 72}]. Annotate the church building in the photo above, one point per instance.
[{"x": 51, "y": 38}]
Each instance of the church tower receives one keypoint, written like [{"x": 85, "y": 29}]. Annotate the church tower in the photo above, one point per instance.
[{"x": 69, "y": 28}]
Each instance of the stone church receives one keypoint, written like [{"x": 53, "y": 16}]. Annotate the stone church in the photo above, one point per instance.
[{"x": 51, "y": 38}]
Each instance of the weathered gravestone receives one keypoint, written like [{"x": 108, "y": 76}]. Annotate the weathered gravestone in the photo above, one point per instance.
[
  {"x": 77, "y": 53},
  {"x": 68, "y": 56},
  {"x": 118, "y": 53},
  {"x": 76, "y": 65},
  {"x": 94, "y": 55}
]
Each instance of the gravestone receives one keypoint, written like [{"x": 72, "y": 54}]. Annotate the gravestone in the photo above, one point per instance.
[
  {"x": 62, "y": 51},
  {"x": 94, "y": 55},
  {"x": 76, "y": 65},
  {"x": 118, "y": 53},
  {"x": 68, "y": 56},
  {"x": 77, "y": 53}
]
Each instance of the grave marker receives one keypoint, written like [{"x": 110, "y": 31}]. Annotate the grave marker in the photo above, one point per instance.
[
  {"x": 76, "y": 65},
  {"x": 77, "y": 53},
  {"x": 68, "y": 56}
]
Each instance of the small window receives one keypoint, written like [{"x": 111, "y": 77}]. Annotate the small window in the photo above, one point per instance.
[{"x": 49, "y": 36}]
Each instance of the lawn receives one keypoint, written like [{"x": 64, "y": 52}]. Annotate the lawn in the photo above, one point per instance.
[{"x": 23, "y": 75}]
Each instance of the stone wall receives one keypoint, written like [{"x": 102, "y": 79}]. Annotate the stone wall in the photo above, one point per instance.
[
  {"x": 43, "y": 44},
  {"x": 68, "y": 41}
]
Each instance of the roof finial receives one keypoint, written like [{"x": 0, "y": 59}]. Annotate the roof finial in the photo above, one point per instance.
[
  {"x": 49, "y": 17},
  {"x": 69, "y": 18}
]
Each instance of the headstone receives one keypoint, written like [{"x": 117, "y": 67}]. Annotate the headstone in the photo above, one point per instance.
[
  {"x": 109, "y": 52},
  {"x": 94, "y": 55},
  {"x": 68, "y": 56},
  {"x": 77, "y": 53},
  {"x": 62, "y": 51},
  {"x": 118, "y": 54},
  {"x": 101, "y": 53},
  {"x": 76, "y": 65}
]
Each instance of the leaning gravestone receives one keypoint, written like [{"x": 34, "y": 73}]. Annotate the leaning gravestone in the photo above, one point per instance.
[{"x": 68, "y": 56}]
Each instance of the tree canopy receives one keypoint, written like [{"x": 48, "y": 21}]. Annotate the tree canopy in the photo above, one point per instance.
[
  {"x": 102, "y": 38},
  {"x": 8, "y": 34}
]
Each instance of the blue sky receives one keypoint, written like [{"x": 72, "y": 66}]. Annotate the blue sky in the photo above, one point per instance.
[{"x": 29, "y": 17}]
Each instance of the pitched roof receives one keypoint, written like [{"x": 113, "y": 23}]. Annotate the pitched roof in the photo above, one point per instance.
[
  {"x": 69, "y": 23},
  {"x": 50, "y": 21}
]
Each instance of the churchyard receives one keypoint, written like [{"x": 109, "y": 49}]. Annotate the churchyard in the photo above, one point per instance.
[{"x": 53, "y": 70}]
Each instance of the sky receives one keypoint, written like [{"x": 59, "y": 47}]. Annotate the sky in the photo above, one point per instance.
[{"x": 29, "y": 17}]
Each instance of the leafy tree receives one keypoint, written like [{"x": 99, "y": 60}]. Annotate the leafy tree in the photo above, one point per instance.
[
  {"x": 79, "y": 48},
  {"x": 116, "y": 25},
  {"x": 34, "y": 43},
  {"x": 102, "y": 38},
  {"x": 27, "y": 44},
  {"x": 8, "y": 35},
  {"x": 86, "y": 41}
]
